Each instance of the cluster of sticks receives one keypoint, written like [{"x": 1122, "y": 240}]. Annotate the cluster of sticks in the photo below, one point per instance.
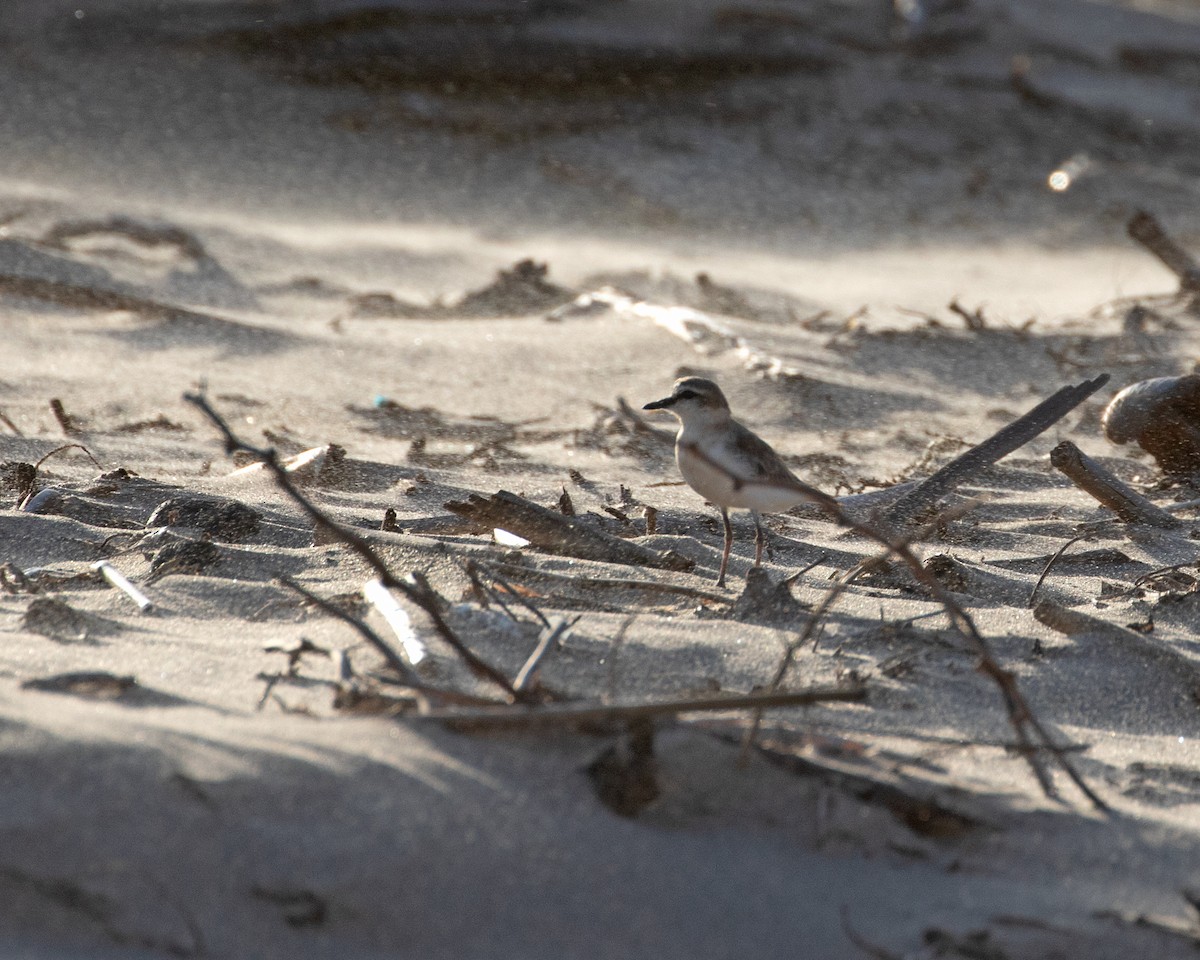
[{"x": 519, "y": 702}]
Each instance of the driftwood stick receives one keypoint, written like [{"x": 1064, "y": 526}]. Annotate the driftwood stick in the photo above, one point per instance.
[
  {"x": 1146, "y": 230},
  {"x": 569, "y": 536},
  {"x": 1096, "y": 481},
  {"x": 65, "y": 423},
  {"x": 1012, "y": 437},
  {"x": 590, "y": 713},
  {"x": 1074, "y": 623}
]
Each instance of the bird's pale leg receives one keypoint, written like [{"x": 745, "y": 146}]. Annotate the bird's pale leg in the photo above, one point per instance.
[
  {"x": 728, "y": 547},
  {"x": 760, "y": 538}
]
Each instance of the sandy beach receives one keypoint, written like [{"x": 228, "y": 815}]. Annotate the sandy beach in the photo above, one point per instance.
[{"x": 454, "y": 248}]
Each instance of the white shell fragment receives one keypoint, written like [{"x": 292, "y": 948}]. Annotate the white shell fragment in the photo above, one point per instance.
[
  {"x": 122, "y": 583},
  {"x": 305, "y": 465},
  {"x": 396, "y": 616},
  {"x": 706, "y": 333},
  {"x": 506, "y": 539}
]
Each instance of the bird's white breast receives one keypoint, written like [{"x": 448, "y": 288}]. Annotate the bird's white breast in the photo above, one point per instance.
[{"x": 718, "y": 485}]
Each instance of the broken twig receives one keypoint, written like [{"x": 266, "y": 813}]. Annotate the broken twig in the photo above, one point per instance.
[
  {"x": 1146, "y": 230},
  {"x": 1098, "y": 482},
  {"x": 549, "y": 640}
]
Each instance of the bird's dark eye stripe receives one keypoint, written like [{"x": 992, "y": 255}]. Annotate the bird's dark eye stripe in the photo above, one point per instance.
[{"x": 686, "y": 395}]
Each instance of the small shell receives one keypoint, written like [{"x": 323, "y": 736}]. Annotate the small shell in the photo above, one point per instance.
[{"x": 1163, "y": 416}]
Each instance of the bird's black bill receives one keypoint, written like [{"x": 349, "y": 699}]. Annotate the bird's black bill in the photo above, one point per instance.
[{"x": 662, "y": 404}]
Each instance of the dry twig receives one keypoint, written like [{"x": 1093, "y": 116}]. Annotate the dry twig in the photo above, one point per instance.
[
  {"x": 1094, "y": 480},
  {"x": 551, "y": 636},
  {"x": 1051, "y": 562},
  {"x": 1146, "y": 230},
  {"x": 69, "y": 446}
]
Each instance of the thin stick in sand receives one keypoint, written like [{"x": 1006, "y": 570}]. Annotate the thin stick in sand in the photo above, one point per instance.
[
  {"x": 569, "y": 714},
  {"x": 527, "y": 676},
  {"x": 65, "y": 423}
]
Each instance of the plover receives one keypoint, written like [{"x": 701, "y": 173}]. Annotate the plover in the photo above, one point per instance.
[{"x": 730, "y": 465}]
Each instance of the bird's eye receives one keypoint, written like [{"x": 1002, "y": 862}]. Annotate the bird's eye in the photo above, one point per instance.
[{"x": 686, "y": 395}]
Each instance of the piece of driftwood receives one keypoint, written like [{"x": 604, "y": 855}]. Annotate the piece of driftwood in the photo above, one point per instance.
[
  {"x": 905, "y": 511},
  {"x": 1096, "y": 481},
  {"x": 602, "y": 583},
  {"x": 1076, "y": 623},
  {"x": 568, "y": 536},
  {"x": 568, "y": 714},
  {"x": 1146, "y": 230}
]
